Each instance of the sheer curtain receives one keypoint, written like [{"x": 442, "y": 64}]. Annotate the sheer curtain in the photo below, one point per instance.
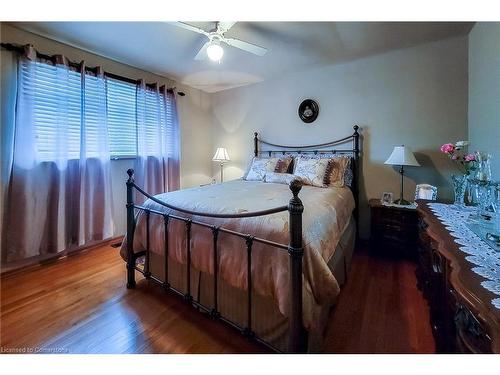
[
  {"x": 157, "y": 162},
  {"x": 59, "y": 195},
  {"x": 95, "y": 219}
]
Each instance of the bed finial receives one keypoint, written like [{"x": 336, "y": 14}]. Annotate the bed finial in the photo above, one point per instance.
[
  {"x": 295, "y": 187},
  {"x": 355, "y": 138},
  {"x": 130, "y": 173}
]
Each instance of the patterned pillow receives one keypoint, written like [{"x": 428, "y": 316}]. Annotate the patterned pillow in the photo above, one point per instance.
[
  {"x": 259, "y": 168},
  {"x": 311, "y": 170},
  {"x": 283, "y": 164},
  {"x": 338, "y": 173},
  {"x": 280, "y": 178}
]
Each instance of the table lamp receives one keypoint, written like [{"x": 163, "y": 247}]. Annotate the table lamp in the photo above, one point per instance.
[
  {"x": 222, "y": 157},
  {"x": 402, "y": 156}
]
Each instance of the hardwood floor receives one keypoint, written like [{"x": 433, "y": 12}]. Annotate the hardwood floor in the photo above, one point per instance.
[
  {"x": 380, "y": 310},
  {"x": 80, "y": 305}
]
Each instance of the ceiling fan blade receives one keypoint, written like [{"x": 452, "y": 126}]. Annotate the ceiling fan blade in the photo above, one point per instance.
[
  {"x": 202, "y": 53},
  {"x": 245, "y": 46},
  {"x": 187, "y": 26},
  {"x": 225, "y": 26}
]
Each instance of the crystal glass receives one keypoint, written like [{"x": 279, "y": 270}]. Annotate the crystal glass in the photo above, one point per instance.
[
  {"x": 459, "y": 186},
  {"x": 483, "y": 195},
  {"x": 494, "y": 234},
  {"x": 483, "y": 172},
  {"x": 471, "y": 194},
  {"x": 495, "y": 197},
  {"x": 488, "y": 200}
]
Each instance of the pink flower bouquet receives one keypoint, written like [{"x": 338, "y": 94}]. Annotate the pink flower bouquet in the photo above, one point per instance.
[{"x": 466, "y": 162}]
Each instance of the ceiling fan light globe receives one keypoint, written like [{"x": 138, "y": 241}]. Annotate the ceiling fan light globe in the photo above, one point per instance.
[{"x": 215, "y": 52}]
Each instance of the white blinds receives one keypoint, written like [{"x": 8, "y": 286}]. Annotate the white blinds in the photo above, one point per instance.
[
  {"x": 56, "y": 100},
  {"x": 151, "y": 122},
  {"x": 122, "y": 112},
  {"x": 94, "y": 117},
  {"x": 54, "y": 97}
]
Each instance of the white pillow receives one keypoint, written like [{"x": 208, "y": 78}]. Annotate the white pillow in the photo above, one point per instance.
[
  {"x": 311, "y": 170},
  {"x": 280, "y": 178},
  {"x": 259, "y": 168}
]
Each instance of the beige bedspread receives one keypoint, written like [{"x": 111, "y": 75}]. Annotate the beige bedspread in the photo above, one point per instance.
[{"x": 326, "y": 213}]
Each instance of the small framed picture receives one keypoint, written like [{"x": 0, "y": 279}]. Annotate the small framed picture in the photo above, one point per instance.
[
  {"x": 308, "y": 110},
  {"x": 387, "y": 198},
  {"x": 426, "y": 191}
]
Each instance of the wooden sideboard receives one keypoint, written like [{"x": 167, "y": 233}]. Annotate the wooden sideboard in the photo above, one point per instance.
[{"x": 462, "y": 317}]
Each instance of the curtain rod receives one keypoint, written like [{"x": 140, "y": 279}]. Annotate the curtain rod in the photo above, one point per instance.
[{"x": 20, "y": 49}]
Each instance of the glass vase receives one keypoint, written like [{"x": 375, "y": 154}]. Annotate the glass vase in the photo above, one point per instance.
[
  {"x": 483, "y": 160},
  {"x": 459, "y": 186}
]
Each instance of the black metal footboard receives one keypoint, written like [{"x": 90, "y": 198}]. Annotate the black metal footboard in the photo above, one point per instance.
[{"x": 297, "y": 333}]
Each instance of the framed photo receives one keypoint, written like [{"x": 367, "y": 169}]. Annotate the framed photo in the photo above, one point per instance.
[
  {"x": 387, "y": 197},
  {"x": 308, "y": 110},
  {"x": 426, "y": 191}
]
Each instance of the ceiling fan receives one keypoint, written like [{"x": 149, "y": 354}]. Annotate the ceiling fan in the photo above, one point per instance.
[{"x": 213, "y": 49}]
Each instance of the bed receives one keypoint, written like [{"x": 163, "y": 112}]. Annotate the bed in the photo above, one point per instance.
[{"x": 247, "y": 254}]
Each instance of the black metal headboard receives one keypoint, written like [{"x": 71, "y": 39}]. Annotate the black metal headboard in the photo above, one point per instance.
[{"x": 320, "y": 148}]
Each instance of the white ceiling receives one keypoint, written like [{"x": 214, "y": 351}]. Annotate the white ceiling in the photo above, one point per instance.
[{"x": 168, "y": 50}]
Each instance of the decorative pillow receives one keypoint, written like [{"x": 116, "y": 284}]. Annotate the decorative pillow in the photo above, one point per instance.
[
  {"x": 283, "y": 164},
  {"x": 348, "y": 175},
  {"x": 311, "y": 170},
  {"x": 280, "y": 178},
  {"x": 259, "y": 168},
  {"x": 338, "y": 172}
]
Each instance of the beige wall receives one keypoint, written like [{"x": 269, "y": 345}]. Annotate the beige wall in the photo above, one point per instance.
[
  {"x": 484, "y": 90},
  {"x": 415, "y": 96},
  {"x": 194, "y": 114}
]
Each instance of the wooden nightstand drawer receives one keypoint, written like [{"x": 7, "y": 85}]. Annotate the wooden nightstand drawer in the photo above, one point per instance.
[{"x": 394, "y": 230}]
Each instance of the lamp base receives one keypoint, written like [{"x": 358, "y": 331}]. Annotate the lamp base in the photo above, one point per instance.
[{"x": 402, "y": 202}]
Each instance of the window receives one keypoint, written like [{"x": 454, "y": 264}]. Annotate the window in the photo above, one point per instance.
[
  {"x": 122, "y": 114},
  {"x": 56, "y": 100}
]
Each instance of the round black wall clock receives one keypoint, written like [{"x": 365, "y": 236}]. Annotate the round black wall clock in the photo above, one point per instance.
[{"x": 308, "y": 110}]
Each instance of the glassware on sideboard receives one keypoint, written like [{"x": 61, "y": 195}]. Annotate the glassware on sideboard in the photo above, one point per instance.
[
  {"x": 459, "y": 189},
  {"x": 493, "y": 235},
  {"x": 485, "y": 222},
  {"x": 483, "y": 160},
  {"x": 484, "y": 195}
]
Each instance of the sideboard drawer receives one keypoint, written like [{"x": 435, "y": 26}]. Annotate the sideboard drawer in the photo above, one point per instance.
[{"x": 470, "y": 334}]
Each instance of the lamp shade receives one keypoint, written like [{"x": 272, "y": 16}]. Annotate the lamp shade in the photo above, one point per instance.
[
  {"x": 221, "y": 155},
  {"x": 402, "y": 155}
]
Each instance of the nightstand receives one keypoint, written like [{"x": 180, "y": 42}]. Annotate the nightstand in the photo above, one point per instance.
[{"x": 394, "y": 230}]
